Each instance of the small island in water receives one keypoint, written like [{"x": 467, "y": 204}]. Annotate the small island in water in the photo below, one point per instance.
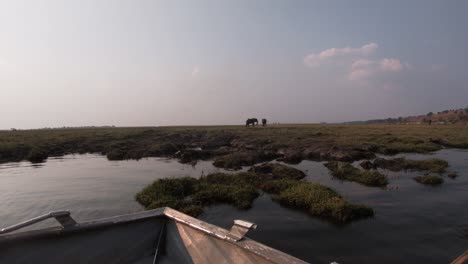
[{"x": 359, "y": 153}]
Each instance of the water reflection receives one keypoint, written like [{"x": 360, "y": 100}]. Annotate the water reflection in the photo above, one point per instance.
[{"x": 413, "y": 222}]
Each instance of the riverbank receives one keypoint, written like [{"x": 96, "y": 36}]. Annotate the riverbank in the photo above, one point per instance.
[{"x": 232, "y": 147}]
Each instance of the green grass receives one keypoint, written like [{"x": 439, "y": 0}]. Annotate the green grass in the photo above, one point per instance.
[
  {"x": 237, "y": 160},
  {"x": 233, "y": 146},
  {"x": 429, "y": 179},
  {"x": 241, "y": 189},
  {"x": 321, "y": 201},
  {"x": 399, "y": 164},
  {"x": 346, "y": 171},
  {"x": 278, "y": 171},
  {"x": 277, "y": 186}
]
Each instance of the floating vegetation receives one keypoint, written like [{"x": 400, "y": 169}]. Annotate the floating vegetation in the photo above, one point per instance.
[
  {"x": 429, "y": 179},
  {"x": 399, "y": 164},
  {"x": 190, "y": 195},
  {"x": 346, "y": 171}
]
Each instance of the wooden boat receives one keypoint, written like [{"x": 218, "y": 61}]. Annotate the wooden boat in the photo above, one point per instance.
[
  {"x": 463, "y": 259},
  {"x": 162, "y": 235}
]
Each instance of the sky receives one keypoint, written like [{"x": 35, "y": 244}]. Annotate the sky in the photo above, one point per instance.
[{"x": 157, "y": 63}]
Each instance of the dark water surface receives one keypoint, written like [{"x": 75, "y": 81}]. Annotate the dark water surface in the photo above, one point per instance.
[{"x": 413, "y": 223}]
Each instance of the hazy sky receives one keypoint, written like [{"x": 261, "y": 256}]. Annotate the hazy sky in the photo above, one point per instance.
[{"x": 132, "y": 63}]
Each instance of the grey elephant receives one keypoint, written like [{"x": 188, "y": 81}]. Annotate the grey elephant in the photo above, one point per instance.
[{"x": 251, "y": 121}]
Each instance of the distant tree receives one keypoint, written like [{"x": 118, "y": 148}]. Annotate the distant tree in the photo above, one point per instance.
[{"x": 430, "y": 114}]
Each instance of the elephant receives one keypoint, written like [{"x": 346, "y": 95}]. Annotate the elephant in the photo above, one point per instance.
[
  {"x": 264, "y": 122},
  {"x": 251, "y": 121}
]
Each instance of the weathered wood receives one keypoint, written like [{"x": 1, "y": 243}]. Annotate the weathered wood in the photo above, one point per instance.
[
  {"x": 63, "y": 217},
  {"x": 463, "y": 259},
  {"x": 252, "y": 246}
]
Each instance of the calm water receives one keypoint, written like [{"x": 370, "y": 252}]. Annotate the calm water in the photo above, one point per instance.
[{"x": 413, "y": 223}]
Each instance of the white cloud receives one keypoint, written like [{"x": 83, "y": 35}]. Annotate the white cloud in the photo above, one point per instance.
[
  {"x": 363, "y": 69},
  {"x": 391, "y": 65},
  {"x": 369, "y": 48},
  {"x": 360, "y": 62},
  {"x": 195, "y": 71},
  {"x": 316, "y": 59}
]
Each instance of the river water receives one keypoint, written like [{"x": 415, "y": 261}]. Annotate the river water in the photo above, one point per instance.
[{"x": 413, "y": 223}]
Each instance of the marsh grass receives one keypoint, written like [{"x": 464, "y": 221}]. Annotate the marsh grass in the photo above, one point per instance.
[
  {"x": 321, "y": 201},
  {"x": 37, "y": 155},
  {"x": 346, "y": 171},
  {"x": 429, "y": 179},
  {"x": 241, "y": 189},
  {"x": 399, "y": 164},
  {"x": 237, "y": 160},
  {"x": 136, "y": 143}
]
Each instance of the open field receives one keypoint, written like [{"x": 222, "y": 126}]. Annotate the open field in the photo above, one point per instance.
[{"x": 233, "y": 146}]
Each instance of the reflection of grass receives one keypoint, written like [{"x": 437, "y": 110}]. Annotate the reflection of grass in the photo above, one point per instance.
[
  {"x": 240, "y": 190},
  {"x": 304, "y": 140},
  {"x": 429, "y": 179},
  {"x": 399, "y": 164},
  {"x": 346, "y": 171}
]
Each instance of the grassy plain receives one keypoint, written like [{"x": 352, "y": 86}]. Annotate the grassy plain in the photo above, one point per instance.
[{"x": 233, "y": 146}]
